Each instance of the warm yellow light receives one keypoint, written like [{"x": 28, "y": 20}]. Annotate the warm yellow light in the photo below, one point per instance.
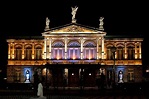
[
  {"x": 140, "y": 56},
  {"x": 32, "y": 56},
  {"x": 58, "y": 57},
  {"x": 22, "y": 56},
  {"x": 74, "y": 57},
  {"x": 89, "y": 57},
  {"x": 12, "y": 56},
  {"x": 8, "y": 56},
  {"x": 125, "y": 56}
]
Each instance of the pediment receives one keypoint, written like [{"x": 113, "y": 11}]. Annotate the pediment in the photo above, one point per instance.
[{"x": 74, "y": 28}]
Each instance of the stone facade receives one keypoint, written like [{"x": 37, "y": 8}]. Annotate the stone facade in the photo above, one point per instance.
[{"x": 75, "y": 44}]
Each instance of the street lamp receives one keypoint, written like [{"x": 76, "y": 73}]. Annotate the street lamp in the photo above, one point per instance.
[
  {"x": 46, "y": 66},
  {"x": 113, "y": 50}
]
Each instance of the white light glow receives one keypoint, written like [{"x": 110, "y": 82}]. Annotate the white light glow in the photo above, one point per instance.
[{"x": 147, "y": 71}]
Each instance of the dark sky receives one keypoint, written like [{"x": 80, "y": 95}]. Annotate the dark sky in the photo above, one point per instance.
[{"x": 28, "y": 19}]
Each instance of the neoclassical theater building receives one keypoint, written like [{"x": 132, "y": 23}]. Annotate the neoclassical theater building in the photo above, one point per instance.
[{"x": 70, "y": 51}]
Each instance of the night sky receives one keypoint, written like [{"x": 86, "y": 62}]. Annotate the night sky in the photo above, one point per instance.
[{"x": 28, "y": 19}]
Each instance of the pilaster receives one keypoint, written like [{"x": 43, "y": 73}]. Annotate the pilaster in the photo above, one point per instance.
[
  {"x": 140, "y": 55},
  {"x": 82, "y": 48},
  {"x": 23, "y": 50},
  {"x": 102, "y": 48},
  {"x": 33, "y": 49},
  {"x": 125, "y": 50},
  {"x": 9, "y": 51},
  {"x": 65, "y": 48},
  {"x": 13, "y": 50}
]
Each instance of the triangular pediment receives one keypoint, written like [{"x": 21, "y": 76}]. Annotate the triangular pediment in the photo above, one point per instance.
[{"x": 74, "y": 28}]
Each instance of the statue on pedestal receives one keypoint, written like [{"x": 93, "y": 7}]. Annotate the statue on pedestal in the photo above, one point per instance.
[
  {"x": 101, "y": 24},
  {"x": 74, "y": 10},
  {"x": 27, "y": 77},
  {"x": 47, "y": 23},
  {"x": 40, "y": 90}
]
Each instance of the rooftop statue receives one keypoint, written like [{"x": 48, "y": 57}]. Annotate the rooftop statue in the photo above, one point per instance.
[
  {"x": 74, "y": 10},
  {"x": 47, "y": 21},
  {"x": 101, "y": 24},
  {"x": 101, "y": 20},
  {"x": 47, "y": 24}
]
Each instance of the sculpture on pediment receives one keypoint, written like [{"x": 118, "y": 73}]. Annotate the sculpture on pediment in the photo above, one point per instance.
[
  {"x": 47, "y": 23},
  {"x": 74, "y": 29},
  {"x": 101, "y": 24},
  {"x": 74, "y": 10},
  {"x": 101, "y": 20}
]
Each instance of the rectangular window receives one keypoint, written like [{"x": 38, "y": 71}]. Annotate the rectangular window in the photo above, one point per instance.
[{"x": 131, "y": 77}]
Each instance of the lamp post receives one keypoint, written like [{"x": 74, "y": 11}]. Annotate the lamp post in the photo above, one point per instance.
[
  {"x": 46, "y": 66},
  {"x": 113, "y": 49}
]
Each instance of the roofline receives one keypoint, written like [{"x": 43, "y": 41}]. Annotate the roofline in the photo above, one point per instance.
[{"x": 25, "y": 37}]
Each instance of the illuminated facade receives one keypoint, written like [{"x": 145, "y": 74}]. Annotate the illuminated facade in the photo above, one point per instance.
[{"x": 74, "y": 44}]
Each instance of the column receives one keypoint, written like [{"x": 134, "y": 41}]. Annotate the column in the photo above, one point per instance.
[
  {"x": 140, "y": 51},
  {"x": 13, "y": 50},
  {"x": 82, "y": 48},
  {"x": 65, "y": 48},
  {"x": 23, "y": 50},
  {"x": 135, "y": 50},
  {"x": 97, "y": 48},
  {"x": 102, "y": 48},
  {"x": 43, "y": 51},
  {"x": 9, "y": 51},
  {"x": 125, "y": 50},
  {"x": 33, "y": 53},
  {"x": 50, "y": 44},
  {"x": 45, "y": 48}
]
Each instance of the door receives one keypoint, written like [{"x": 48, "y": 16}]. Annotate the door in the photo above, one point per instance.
[
  {"x": 90, "y": 77},
  {"x": 57, "y": 75},
  {"x": 73, "y": 77}
]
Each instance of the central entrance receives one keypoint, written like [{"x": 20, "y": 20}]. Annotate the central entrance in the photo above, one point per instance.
[{"x": 73, "y": 77}]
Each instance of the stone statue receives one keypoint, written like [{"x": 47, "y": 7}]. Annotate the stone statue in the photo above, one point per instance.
[
  {"x": 101, "y": 20},
  {"x": 40, "y": 90},
  {"x": 74, "y": 10},
  {"x": 101, "y": 24},
  {"x": 47, "y": 21},
  {"x": 47, "y": 24},
  {"x": 27, "y": 77}
]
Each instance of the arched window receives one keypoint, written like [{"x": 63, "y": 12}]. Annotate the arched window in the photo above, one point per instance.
[
  {"x": 109, "y": 53},
  {"x": 58, "y": 50},
  {"x": 89, "y": 51},
  {"x": 28, "y": 53},
  {"x": 38, "y": 52},
  {"x": 74, "y": 50},
  {"x": 18, "y": 52},
  {"x": 131, "y": 52},
  {"x": 120, "y": 53}
]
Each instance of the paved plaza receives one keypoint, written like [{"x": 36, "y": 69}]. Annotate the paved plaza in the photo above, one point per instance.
[{"x": 77, "y": 97}]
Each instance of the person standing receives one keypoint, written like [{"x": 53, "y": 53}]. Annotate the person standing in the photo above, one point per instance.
[{"x": 40, "y": 90}]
